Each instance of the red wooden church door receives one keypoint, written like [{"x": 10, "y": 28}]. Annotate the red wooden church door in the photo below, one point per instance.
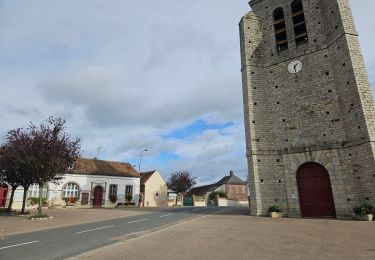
[
  {"x": 315, "y": 192},
  {"x": 3, "y": 195}
]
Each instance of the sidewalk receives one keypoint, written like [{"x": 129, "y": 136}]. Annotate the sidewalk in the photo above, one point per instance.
[
  {"x": 228, "y": 237},
  {"x": 61, "y": 217}
]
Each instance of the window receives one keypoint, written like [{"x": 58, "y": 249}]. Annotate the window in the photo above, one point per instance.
[
  {"x": 280, "y": 29},
  {"x": 299, "y": 23},
  {"x": 34, "y": 191},
  {"x": 128, "y": 191},
  {"x": 112, "y": 190},
  {"x": 71, "y": 190}
]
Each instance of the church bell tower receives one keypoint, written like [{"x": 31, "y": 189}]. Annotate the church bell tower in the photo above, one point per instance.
[{"x": 308, "y": 109}]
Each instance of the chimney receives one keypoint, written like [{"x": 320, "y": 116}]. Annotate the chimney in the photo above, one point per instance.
[{"x": 231, "y": 172}]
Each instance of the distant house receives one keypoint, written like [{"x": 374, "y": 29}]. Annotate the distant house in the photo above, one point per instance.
[
  {"x": 153, "y": 190},
  {"x": 234, "y": 188},
  {"x": 91, "y": 183}
]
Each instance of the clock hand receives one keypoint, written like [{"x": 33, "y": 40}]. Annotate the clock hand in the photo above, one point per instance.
[{"x": 295, "y": 67}]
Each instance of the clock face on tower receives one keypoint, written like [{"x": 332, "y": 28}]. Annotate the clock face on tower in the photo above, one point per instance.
[{"x": 295, "y": 66}]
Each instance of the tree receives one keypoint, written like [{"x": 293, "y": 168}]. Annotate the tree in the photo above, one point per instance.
[
  {"x": 8, "y": 173},
  {"x": 181, "y": 181},
  {"x": 14, "y": 153},
  {"x": 39, "y": 154},
  {"x": 52, "y": 153}
]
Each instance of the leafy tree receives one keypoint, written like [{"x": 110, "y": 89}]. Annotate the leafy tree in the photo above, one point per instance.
[
  {"x": 39, "y": 154},
  {"x": 181, "y": 181},
  {"x": 15, "y": 152},
  {"x": 52, "y": 153},
  {"x": 9, "y": 173}
]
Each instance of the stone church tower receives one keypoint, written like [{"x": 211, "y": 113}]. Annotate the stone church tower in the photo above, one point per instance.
[{"x": 309, "y": 111}]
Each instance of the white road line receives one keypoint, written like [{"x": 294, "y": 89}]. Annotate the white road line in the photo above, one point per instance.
[
  {"x": 32, "y": 242},
  {"x": 84, "y": 231},
  {"x": 186, "y": 211},
  {"x": 162, "y": 216},
  {"x": 135, "y": 221}
]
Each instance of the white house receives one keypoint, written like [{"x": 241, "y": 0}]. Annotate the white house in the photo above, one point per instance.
[{"x": 92, "y": 183}]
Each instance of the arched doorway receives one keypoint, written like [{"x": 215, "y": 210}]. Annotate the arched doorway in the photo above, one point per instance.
[
  {"x": 315, "y": 192},
  {"x": 3, "y": 195},
  {"x": 98, "y": 196}
]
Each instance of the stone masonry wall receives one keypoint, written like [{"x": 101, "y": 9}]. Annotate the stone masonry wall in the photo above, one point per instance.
[{"x": 323, "y": 114}]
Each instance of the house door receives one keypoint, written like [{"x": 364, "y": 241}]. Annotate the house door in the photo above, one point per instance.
[
  {"x": 315, "y": 192},
  {"x": 98, "y": 196},
  {"x": 3, "y": 195}
]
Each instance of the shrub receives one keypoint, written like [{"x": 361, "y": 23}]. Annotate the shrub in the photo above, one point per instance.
[
  {"x": 364, "y": 209},
  {"x": 71, "y": 200},
  {"x": 34, "y": 201},
  {"x": 129, "y": 198},
  {"x": 220, "y": 193},
  {"x": 274, "y": 208},
  {"x": 113, "y": 198}
]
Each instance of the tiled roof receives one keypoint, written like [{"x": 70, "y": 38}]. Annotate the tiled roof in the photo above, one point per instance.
[
  {"x": 201, "y": 190},
  {"x": 145, "y": 176},
  {"x": 231, "y": 179},
  {"x": 107, "y": 168}
]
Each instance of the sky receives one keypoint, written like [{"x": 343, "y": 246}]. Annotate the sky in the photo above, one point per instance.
[{"x": 134, "y": 75}]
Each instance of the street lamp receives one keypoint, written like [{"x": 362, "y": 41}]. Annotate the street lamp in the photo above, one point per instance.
[{"x": 140, "y": 159}]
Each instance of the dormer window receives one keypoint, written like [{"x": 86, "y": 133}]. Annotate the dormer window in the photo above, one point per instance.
[
  {"x": 299, "y": 23},
  {"x": 280, "y": 29}
]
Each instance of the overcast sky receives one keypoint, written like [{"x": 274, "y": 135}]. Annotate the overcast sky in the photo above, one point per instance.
[{"x": 134, "y": 75}]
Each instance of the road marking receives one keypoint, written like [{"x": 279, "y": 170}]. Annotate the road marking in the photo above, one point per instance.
[
  {"x": 89, "y": 230},
  {"x": 196, "y": 209},
  {"x": 219, "y": 211},
  {"x": 162, "y": 216},
  {"x": 135, "y": 221},
  {"x": 32, "y": 242},
  {"x": 186, "y": 211}
]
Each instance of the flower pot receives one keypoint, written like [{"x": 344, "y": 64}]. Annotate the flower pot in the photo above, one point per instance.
[
  {"x": 367, "y": 217},
  {"x": 276, "y": 214}
]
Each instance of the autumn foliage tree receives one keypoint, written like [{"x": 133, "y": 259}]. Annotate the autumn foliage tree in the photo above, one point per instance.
[
  {"x": 9, "y": 173},
  {"x": 39, "y": 154},
  {"x": 13, "y": 153},
  {"x": 181, "y": 181}
]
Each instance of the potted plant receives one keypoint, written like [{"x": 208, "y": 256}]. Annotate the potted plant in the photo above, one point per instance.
[
  {"x": 70, "y": 201},
  {"x": 364, "y": 212},
  {"x": 275, "y": 211},
  {"x": 128, "y": 199},
  {"x": 113, "y": 198}
]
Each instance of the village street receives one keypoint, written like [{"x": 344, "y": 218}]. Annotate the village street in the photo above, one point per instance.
[
  {"x": 189, "y": 233},
  {"x": 70, "y": 240}
]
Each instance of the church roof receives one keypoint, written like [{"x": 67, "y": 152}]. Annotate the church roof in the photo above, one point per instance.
[{"x": 107, "y": 168}]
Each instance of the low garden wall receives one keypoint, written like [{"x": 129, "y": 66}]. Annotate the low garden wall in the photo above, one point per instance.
[{"x": 223, "y": 202}]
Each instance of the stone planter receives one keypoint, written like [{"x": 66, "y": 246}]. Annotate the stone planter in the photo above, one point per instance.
[
  {"x": 367, "y": 217},
  {"x": 276, "y": 214}
]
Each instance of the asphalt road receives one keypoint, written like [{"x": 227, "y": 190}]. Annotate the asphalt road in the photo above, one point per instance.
[{"x": 69, "y": 241}]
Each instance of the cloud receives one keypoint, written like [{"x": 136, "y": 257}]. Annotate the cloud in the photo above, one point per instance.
[{"x": 128, "y": 74}]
